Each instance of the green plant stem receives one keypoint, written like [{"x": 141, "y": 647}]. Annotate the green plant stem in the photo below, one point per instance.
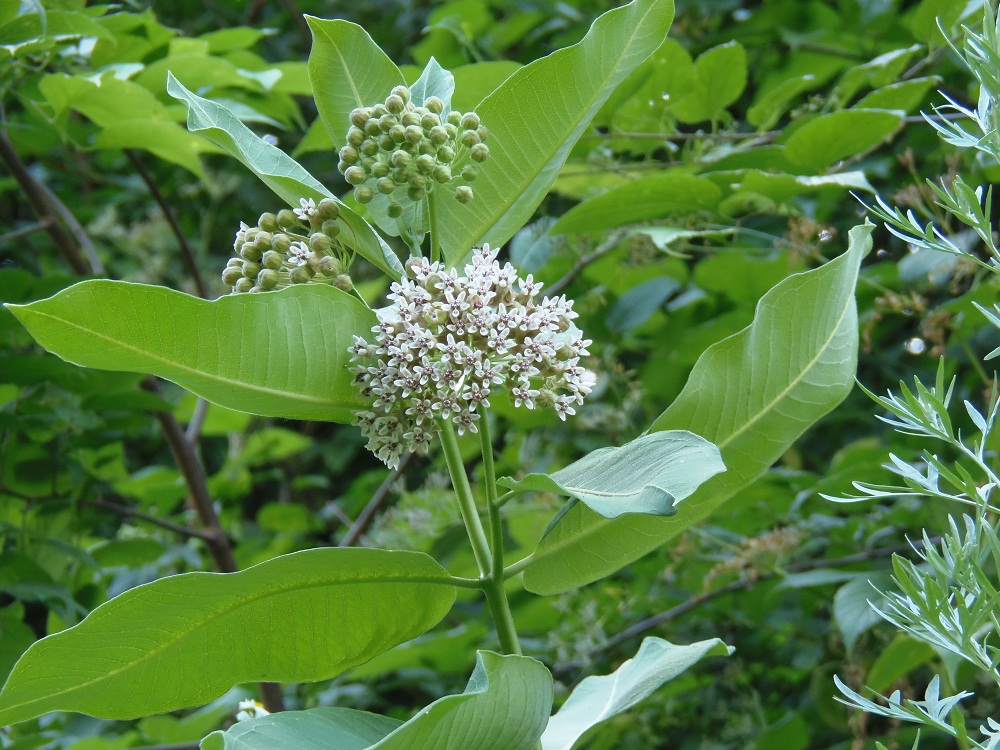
[{"x": 466, "y": 503}]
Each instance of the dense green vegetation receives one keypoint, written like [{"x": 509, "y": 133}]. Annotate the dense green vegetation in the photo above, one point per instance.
[{"x": 680, "y": 193}]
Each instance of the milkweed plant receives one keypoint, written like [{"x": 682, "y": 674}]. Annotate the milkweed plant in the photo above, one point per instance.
[{"x": 435, "y": 192}]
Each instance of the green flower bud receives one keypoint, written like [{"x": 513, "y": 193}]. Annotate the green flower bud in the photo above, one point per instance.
[
  {"x": 268, "y": 222},
  {"x": 263, "y": 241},
  {"x": 415, "y": 193},
  {"x": 257, "y": 289},
  {"x": 482, "y": 132},
  {"x": 272, "y": 259},
  {"x": 251, "y": 235},
  {"x": 368, "y": 164},
  {"x": 380, "y": 169},
  {"x": 243, "y": 285},
  {"x": 355, "y": 175},
  {"x": 451, "y": 130},
  {"x": 369, "y": 147},
  {"x": 281, "y": 243},
  {"x": 379, "y": 110},
  {"x": 413, "y": 133},
  {"x": 397, "y": 133},
  {"x": 231, "y": 275},
  {"x": 469, "y": 138},
  {"x": 445, "y": 154},
  {"x": 441, "y": 174},
  {"x": 425, "y": 163},
  {"x": 349, "y": 154},
  {"x": 299, "y": 275},
  {"x": 268, "y": 278},
  {"x": 434, "y": 104},
  {"x": 402, "y": 92},
  {"x": 360, "y": 116},
  {"x": 394, "y": 210},
  {"x": 416, "y": 180},
  {"x": 480, "y": 152},
  {"x": 319, "y": 243},
  {"x": 235, "y": 263},
  {"x": 343, "y": 282},
  {"x": 328, "y": 209},
  {"x": 470, "y": 121},
  {"x": 470, "y": 173},
  {"x": 454, "y": 118},
  {"x": 463, "y": 194},
  {"x": 429, "y": 120},
  {"x": 342, "y": 166},
  {"x": 400, "y": 176},
  {"x": 251, "y": 269},
  {"x": 385, "y": 122},
  {"x": 251, "y": 252},
  {"x": 439, "y": 135},
  {"x": 364, "y": 194},
  {"x": 400, "y": 159},
  {"x": 385, "y": 186},
  {"x": 372, "y": 128},
  {"x": 287, "y": 218},
  {"x": 331, "y": 229},
  {"x": 428, "y": 147},
  {"x": 329, "y": 266},
  {"x": 410, "y": 118},
  {"x": 386, "y": 143},
  {"x": 395, "y": 104},
  {"x": 355, "y": 136}
]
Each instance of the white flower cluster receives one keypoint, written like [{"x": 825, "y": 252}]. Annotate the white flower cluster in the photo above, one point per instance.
[{"x": 446, "y": 341}]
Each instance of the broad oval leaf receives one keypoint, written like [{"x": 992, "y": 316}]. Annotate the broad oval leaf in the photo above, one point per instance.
[
  {"x": 597, "y": 699},
  {"x": 281, "y": 354},
  {"x": 752, "y": 394},
  {"x": 825, "y": 140},
  {"x": 505, "y": 707},
  {"x": 280, "y": 172},
  {"x": 651, "y": 474},
  {"x": 652, "y": 197},
  {"x": 531, "y": 134},
  {"x": 720, "y": 75},
  {"x": 186, "y": 639}
]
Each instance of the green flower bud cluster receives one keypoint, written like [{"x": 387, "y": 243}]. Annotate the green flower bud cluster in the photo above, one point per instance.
[
  {"x": 294, "y": 246},
  {"x": 398, "y": 149}
]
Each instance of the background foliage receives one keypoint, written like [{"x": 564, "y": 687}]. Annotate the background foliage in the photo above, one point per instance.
[{"x": 721, "y": 167}]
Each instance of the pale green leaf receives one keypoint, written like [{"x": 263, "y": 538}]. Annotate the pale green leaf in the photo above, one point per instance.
[
  {"x": 315, "y": 729},
  {"x": 597, "y": 699},
  {"x": 186, "y": 639},
  {"x": 720, "y": 75},
  {"x": 650, "y": 474},
  {"x": 167, "y": 140},
  {"x": 286, "y": 177},
  {"x": 765, "y": 112},
  {"x": 536, "y": 116},
  {"x": 904, "y": 96},
  {"x": 277, "y": 354},
  {"x": 827, "y": 139},
  {"x": 475, "y": 82},
  {"x": 433, "y": 81},
  {"x": 852, "y": 612},
  {"x": 752, "y": 394}
]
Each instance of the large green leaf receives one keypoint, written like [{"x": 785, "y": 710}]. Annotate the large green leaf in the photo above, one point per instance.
[
  {"x": 347, "y": 70},
  {"x": 821, "y": 142},
  {"x": 752, "y": 394},
  {"x": 285, "y": 176},
  {"x": 720, "y": 75},
  {"x": 504, "y": 707},
  {"x": 277, "y": 354},
  {"x": 597, "y": 699},
  {"x": 536, "y": 116},
  {"x": 186, "y": 639},
  {"x": 650, "y": 474}
]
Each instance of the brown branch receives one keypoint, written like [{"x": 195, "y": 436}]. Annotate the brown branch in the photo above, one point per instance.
[
  {"x": 38, "y": 226},
  {"x": 360, "y": 526},
  {"x": 187, "y": 255},
  {"x": 603, "y": 249},
  {"x": 156, "y": 520},
  {"x": 75, "y": 228}
]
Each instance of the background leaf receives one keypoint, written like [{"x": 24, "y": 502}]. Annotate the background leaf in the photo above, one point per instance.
[
  {"x": 531, "y": 135},
  {"x": 277, "y": 354},
  {"x": 186, "y": 639},
  {"x": 752, "y": 394},
  {"x": 315, "y": 729},
  {"x": 829, "y": 138},
  {"x": 650, "y": 475},
  {"x": 720, "y": 75}
]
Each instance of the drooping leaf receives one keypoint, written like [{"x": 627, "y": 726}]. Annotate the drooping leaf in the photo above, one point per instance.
[
  {"x": 315, "y": 729},
  {"x": 829, "y": 138},
  {"x": 276, "y": 354},
  {"x": 286, "y": 177},
  {"x": 531, "y": 136},
  {"x": 653, "y": 197},
  {"x": 347, "y": 70},
  {"x": 597, "y": 699},
  {"x": 186, "y": 639},
  {"x": 651, "y": 474},
  {"x": 752, "y": 394}
]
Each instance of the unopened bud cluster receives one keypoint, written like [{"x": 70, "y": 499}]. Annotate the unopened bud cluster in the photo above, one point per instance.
[
  {"x": 290, "y": 247},
  {"x": 398, "y": 149},
  {"x": 447, "y": 341}
]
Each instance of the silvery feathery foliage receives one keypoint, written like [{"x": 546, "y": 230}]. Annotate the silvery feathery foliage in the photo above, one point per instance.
[{"x": 447, "y": 341}]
